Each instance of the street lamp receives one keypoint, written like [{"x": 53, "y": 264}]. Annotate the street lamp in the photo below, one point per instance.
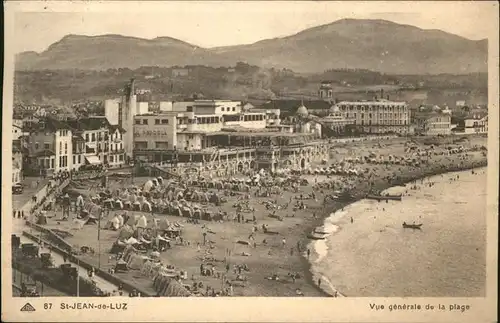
[{"x": 103, "y": 211}]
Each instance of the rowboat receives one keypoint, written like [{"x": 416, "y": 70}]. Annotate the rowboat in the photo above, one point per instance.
[
  {"x": 385, "y": 197},
  {"x": 412, "y": 226},
  {"x": 315, "y": 237}
]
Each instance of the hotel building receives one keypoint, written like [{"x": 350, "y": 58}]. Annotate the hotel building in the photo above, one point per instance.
[{"x": 377, "y": 116}]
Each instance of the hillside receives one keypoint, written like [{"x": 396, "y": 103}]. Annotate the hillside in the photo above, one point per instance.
[{"x": 376, "y": 45}]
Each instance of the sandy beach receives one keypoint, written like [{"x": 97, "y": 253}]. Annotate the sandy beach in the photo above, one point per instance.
[{"x": 286, "y": 252}]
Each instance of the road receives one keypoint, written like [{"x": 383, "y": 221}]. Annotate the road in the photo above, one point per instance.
[{"x": 104, "y": 285}]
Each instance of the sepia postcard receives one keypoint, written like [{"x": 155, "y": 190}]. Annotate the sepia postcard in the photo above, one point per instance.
[{"x": 250, "y": 161}]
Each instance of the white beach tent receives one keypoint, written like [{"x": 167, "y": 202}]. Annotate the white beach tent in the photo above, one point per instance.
[{"x": 147, "y": 186}]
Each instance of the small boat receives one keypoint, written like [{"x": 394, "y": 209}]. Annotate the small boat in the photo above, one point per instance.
[
  {"x": 412, "y": 226},
  {"x": 314, "y": 237},
  {"x": 385, "y": 197}
]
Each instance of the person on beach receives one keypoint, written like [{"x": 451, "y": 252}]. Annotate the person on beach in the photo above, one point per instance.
[
  {"x": 352, "y": 220},
  {"x": 319, "y": 282},
  {"x": 283, "y": 242},
  {"x": 308, "y": 253}
]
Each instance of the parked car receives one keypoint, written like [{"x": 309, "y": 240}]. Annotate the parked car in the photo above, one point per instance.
[{"x": 17, "y": 188}]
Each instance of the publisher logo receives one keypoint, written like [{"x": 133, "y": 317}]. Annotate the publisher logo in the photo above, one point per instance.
[{"x": 27, "y": 308}]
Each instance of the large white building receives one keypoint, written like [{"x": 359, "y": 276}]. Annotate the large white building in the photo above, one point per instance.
[
  {"x": 433, "y": 123},
  {"x": 55, "y": 146},
  {"x": 377, "y": 116},
  {"x": 192, "y": 130},
  {"x": 50, "y": 146},
  {"x": 96, "y": 141},
  {"x": 476, "y": 124}
]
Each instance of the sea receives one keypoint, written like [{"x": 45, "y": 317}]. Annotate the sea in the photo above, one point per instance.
[{"x": 367, "y": 252}]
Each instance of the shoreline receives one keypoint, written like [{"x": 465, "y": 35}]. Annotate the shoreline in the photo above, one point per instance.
[{"x": 333, "y": 207}]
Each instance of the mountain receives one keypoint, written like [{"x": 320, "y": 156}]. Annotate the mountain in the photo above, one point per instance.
[
  {"x": 111, "y": 51},
  {"x": 377, "y": 45}
]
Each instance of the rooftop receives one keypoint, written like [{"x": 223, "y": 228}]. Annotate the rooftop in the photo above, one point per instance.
[
  {"x": 90, "y": 123},
  {"x": 373, "y": 102}
]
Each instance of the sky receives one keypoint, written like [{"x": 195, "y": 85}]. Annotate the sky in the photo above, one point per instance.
[{"x": 212, "y": 24}]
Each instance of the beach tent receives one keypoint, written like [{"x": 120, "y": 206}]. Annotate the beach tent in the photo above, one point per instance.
[
  {"x": 118, "y": 204},
  {"x": 146, "y": 206},
  {"x": 142, "y": 222},
  {"x": 113, "y": 223},
  {"x": 136, "y": 261},
  {"x": 166, "y": 285},
  {"x": 148, "y": 186},
  {"x": 126, "y": 233}
]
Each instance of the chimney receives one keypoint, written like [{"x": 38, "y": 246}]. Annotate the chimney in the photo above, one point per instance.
[
  {"x": 381, "y": 93},
  {"x": 387, "y": 96}
]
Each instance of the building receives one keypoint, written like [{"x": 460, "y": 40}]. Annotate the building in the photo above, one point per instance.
[
  {"x": 17, "y": 165},
  {"x": 112, "y": 110},
  {"x": 433, "y": 123},
  {"x": 188, "y": 130},
  {"x": 96, "y": 141},
  {"x": 17, "y": 129},
  {"x": 50, "y": 146},
  {"x": 121, "y": 111},
  {"x": 476, "y": 124},
  {"x": 377, "y": 116},
  {"x": 325, "y": 90},
  {"x": 288, "y": 108},
  {"x": 206, "y": 135},
  {"x": 336, "y": 122}
]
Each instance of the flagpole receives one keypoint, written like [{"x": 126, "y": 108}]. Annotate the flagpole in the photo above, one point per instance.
[
  {"x": 99, "y": 240},
  {"x": 78, "y": 277}
]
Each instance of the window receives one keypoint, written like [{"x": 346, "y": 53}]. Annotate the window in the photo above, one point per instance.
[
  {"x": 234, "y": 109},
  {"x": 66, "y": 147},
  {"x": 93, "y": 137},
  {"x": 157, "y": 121},
  {"x": 161, "y": 144},
  {"x": 46, "y": 146},
  {"x": 137, "y": 121},
  {"x": 60, "y": 146},
  {"x": 145, "y": 121},
  {"x": 189, "y": 109},
  {"x": 74, "y": 159},
  {"x": 141, "y": 145},
  {"x": 121, "y": 157},
  {"x": 79, "y": 159},
  {"x": 52, "y": 163},
  {"x": 164, "y": 121},
  {"x": 222, "y": 108},
  {"x": 87, "y": 137}
]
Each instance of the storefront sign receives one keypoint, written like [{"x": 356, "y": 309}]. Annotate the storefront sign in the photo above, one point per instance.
[{"x": 151, "y": 133}]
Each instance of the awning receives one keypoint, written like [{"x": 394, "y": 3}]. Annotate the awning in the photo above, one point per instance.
[{"x": 93, "y": 160}]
